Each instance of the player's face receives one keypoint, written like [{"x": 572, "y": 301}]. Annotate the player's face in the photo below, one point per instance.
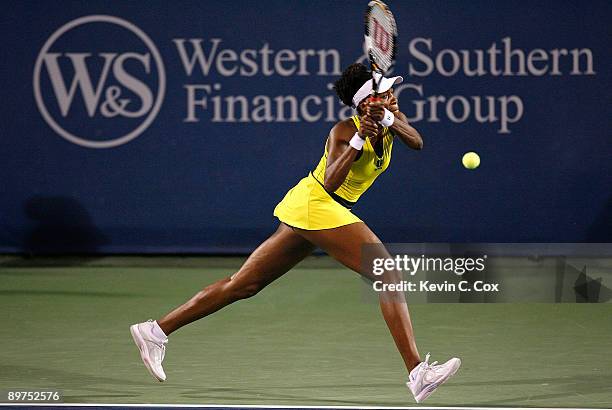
[{"x": 386, "y": 97}]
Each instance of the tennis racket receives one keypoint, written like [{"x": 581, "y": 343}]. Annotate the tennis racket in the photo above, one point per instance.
[{"x": 380, "y": 40}]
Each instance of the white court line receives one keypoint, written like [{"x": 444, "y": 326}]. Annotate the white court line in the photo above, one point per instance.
[{"x": 260, "y": 406}]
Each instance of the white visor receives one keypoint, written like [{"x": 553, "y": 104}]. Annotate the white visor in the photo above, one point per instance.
[{"x": 384, "y": 84}]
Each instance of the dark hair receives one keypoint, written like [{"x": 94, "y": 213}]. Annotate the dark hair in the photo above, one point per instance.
[{"x": 352, "y": 79}]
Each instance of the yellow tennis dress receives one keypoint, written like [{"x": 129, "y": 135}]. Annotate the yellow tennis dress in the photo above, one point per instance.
[{"x": 309, "y": 206}]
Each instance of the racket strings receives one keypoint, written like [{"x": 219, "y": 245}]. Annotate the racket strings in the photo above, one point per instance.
[{"x": 381, "y": 33}]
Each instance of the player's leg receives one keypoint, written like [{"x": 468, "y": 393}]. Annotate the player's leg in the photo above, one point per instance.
[
  {"x": 345, "y": 245},
  {"x": 273, "y": 258}
]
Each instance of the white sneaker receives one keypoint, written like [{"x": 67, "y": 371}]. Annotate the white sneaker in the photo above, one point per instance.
[
  {"x": 152, "y": 349},
  {"x": 425, "y": 378}
]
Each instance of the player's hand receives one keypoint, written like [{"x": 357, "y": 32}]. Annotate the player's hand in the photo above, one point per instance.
[
  {"x": 376, "y": 110},
  {"x": 393, "y": 105},
  {"x": 368, "y": 127}
]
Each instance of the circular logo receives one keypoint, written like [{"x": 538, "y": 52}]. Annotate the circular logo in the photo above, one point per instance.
[{"x": 104, "y": 81}]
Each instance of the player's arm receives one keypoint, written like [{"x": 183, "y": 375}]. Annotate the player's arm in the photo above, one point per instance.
[
  {"x": 340, "y": 154},
  {"x": 406, "y": 132},
  {"x": 400, "y": 127}
]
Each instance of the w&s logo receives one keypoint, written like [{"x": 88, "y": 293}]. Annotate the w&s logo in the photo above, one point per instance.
[{"x": 99, "y": 81}]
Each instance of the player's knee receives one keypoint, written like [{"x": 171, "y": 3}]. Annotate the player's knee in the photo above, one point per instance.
[
  {"x": 244, "y": 290},
  {"x": 250, "y": 290}
]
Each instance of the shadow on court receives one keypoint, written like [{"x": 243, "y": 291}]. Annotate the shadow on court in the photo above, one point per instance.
[
  {"x": 584, "y": 383},
  {"x": 66, "y": 380},
  {"x": 101, "y": 388}
]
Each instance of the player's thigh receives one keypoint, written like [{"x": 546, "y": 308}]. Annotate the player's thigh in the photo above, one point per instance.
[
  {"x": 346, "y": 244},
  {"x": 273, "y": 258}
]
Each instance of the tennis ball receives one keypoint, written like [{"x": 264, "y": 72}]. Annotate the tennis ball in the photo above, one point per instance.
[{"x": 470, "y": 160}]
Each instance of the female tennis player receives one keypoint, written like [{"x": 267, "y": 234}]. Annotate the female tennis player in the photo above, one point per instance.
[{"x": 317, "y": 213}]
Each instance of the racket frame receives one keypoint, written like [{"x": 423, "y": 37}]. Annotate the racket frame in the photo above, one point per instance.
[{"x": 374, "y": 65}]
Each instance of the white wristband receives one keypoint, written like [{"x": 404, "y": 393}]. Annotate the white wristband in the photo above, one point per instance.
[
  {"x": 388, "y": 119},
  {"x": 357, "y": 142}
]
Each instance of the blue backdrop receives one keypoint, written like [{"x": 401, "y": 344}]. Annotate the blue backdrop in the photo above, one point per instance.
[{"x": 177, "y": 127}]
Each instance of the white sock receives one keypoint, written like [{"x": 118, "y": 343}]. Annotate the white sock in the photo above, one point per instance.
[{"x": 158, "y": 332}]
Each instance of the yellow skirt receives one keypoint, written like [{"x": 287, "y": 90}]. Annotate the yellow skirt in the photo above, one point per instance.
[{"x": 308, "y": 206}]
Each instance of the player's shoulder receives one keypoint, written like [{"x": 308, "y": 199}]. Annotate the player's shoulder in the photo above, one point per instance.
[{"x": 343, "y": 129}]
